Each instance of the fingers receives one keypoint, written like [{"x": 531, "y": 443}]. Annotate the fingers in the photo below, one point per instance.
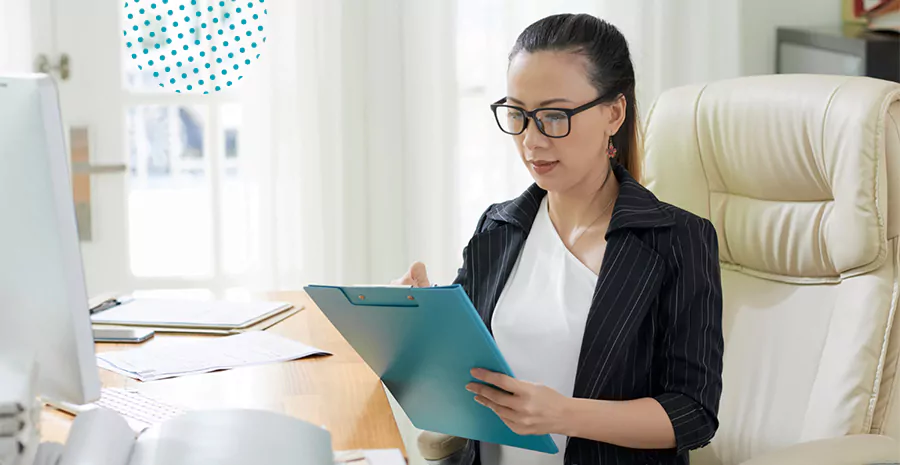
[
  {"x": 419, "y": 275},
  {"x": 505, "y": 413},
  {"x": 494, "y": 395},
  {"x": 405, "y": 280},
  {"x": 500, "y": 380},
  {"x": 516, "y": 421},
  {"x": 416, "y": 276}
]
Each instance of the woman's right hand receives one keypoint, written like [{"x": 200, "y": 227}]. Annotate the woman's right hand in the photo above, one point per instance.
[{"x": 415, "y": 277}]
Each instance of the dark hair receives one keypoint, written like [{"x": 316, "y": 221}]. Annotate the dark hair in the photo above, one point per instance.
[{"x": 609, "y": 68}]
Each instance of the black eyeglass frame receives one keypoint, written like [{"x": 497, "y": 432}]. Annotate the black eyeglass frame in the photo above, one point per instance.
[{"x": 530, "y": 115}]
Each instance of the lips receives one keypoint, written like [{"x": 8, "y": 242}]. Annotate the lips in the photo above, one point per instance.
[{"x": 542, "y": 166}]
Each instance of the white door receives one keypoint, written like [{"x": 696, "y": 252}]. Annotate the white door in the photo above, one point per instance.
[{"x": 158, "y": 178}]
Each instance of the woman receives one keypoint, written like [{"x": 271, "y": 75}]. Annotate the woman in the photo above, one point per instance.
[{"x": 605, "y": 301}]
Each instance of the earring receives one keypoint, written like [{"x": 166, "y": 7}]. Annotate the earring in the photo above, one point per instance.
[{"x": 611, "y": 150}]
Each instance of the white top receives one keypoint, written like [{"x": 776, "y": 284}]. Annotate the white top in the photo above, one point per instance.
[{"x": 539, "y": 324}]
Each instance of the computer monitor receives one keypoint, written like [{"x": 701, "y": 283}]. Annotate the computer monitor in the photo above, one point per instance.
[{"x": 43, "y": 296}]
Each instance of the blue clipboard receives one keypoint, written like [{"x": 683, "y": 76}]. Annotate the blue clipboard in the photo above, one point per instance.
[{"x": 423, "y": 342}]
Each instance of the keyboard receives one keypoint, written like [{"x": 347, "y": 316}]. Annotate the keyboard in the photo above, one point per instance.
[{"x": 139, "y": 411}]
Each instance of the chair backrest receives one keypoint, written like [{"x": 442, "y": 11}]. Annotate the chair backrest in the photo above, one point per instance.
[{"x": 801, "y": 176}]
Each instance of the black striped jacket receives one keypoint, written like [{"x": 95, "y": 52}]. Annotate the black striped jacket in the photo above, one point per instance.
[{"x": 654, "y": 328}]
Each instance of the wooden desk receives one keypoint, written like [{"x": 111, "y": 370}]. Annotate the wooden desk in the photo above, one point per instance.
[{"x": 338, "y": 391}]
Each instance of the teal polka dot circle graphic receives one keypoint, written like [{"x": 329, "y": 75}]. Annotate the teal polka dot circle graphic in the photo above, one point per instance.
[{"x": 173, "y": 40}]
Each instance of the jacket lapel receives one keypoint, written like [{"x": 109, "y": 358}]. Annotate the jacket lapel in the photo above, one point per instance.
[
  {"x": 493, "y": 255},
  {"x": 493, "y": 252},
  {"x": 629, "y": 281}
]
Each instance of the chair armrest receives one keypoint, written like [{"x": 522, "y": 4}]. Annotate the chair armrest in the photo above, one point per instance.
[
  {"x": 857, "y": 449},
  {"x": 436, "y": 446}
]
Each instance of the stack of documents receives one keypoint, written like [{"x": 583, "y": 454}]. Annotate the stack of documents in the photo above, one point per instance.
[
  {"x": 19, "y": 413},
  {"x": 208, "y": 316},
  {"x": 200, "y": 356}
]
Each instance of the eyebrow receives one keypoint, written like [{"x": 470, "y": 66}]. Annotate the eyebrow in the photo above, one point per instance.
[{"x": 545, "y": 102}]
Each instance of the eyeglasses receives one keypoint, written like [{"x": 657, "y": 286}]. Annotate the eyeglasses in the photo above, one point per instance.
[{"x": 552, "y": 122}]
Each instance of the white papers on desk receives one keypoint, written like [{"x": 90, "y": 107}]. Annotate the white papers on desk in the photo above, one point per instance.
[
  {"x": 201, "y": 356},
  {"x": 188, "y": 313}
]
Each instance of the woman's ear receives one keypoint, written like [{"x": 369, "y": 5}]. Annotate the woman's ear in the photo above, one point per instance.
[{"x": 617, "y": 114}]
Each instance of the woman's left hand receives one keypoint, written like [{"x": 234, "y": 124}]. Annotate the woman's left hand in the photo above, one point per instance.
[{"x": 527, "y": 408}]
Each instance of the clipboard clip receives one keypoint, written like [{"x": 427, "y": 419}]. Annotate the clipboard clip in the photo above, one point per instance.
[{"x": 380, "y": 296}]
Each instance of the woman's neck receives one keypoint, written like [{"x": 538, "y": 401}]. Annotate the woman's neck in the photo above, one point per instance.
[{"x": 579, "y": 206}]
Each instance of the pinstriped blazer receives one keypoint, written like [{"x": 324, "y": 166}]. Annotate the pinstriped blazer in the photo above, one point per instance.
[{"x": 654, "y": 328}]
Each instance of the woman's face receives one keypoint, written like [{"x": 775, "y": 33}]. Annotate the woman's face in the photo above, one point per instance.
[{"x": 560, "y": 80}]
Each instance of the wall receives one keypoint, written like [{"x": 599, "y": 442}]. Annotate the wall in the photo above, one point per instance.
[
  {"x": 694, "y": 41},
  {"x": 759, "y": 19},
  {"x": 15, "y": 34},
  {"x": 686, "y": 42}
]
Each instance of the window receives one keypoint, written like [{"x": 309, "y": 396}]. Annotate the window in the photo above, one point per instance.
[{"x": 189, "y": 208}]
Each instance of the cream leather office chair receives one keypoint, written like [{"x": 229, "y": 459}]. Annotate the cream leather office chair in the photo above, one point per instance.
[{"x": 801, "y": 176}]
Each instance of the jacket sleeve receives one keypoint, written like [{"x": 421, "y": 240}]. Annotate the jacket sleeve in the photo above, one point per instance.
[{"x": 692, "y": 345}]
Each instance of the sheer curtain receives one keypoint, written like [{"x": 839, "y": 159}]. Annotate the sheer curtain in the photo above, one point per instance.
[
  {"x": 15, "y": 36},
  {"x": 349, "y": 121}
]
